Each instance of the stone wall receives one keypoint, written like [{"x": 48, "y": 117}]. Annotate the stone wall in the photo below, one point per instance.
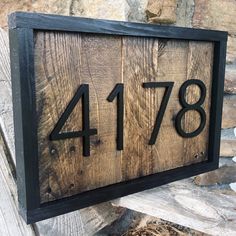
[{"x": 208, "y": 14}]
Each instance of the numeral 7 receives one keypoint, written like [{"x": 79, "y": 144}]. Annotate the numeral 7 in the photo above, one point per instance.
[{"x": 164, "y": 102}]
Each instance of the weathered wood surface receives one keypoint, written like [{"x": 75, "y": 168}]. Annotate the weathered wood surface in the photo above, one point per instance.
[
  {"x": 64, "y": 61},
  {"x": 6, "y": 111},
  {"x": 85, "y": 222},
  {"x": 10, "y": 221},
  {"x": 209, "y": 210}
]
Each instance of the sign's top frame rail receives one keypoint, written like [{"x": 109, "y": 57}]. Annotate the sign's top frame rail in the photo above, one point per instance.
[{"x": 39, "y": 21}]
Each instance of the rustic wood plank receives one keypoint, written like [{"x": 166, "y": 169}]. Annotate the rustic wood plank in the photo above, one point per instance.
[
  {"x": 141, "y": 64},
  {"x": 10, "y": 221},
  {"x": 208, "y": 210},
  {"x": 85, "y": 222},
  {"x": 59, "y": 71},
  {"x": 6, "y": 111},
  {"x": 64, "y": 61},
  {"x": 200, "y": 63}
]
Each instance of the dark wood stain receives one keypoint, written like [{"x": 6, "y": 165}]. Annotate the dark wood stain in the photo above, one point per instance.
[{"x": 69, "y": 60}]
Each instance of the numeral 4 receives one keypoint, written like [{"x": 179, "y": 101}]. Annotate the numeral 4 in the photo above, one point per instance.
[{"x": 83, "y": 91}]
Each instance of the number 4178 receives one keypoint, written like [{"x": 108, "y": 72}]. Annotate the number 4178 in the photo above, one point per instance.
[{"x": 118, "y": 93}]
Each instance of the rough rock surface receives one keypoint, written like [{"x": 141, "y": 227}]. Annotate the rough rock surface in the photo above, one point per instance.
[
  {"x": 50, "y": 6},
  {"x": 229, "y": 112},
  {"x": 160, "y": 11},
  {"x": 109, "y": 9},
  {"x": 215, "y": 14},
  {"x": 220, "y": 15},
  {"x": 228, "y": 142},
  {"x": 184, "y": 13},
  {"x": 230, "y": 80},
  {"x": 226, "y": 174},
  {"x": 231, "y": 49}
]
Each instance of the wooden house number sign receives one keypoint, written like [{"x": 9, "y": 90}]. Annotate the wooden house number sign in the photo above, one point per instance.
[{"x": 103, "y": 109}]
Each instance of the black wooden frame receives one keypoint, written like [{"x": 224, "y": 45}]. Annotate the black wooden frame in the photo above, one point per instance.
[{"x": 22, "y": 26}]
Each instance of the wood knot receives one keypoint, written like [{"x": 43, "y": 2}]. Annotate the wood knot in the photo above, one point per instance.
[
  {"x": 196, "y": 156},
  {"x": 72, "y": 149},
  {"x": 49, "y": 190},
  {"x": 96, "y": 142}
]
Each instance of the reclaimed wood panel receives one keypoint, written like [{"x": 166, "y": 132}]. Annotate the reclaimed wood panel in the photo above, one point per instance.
[
  {"x": 84, "y": 222},
  {"x": 91, "y": 60},
  {"x": 152, "y": 60},
  {"x": 164, "y": 197},
  {"x": 65, "y": 61},
  {"x": 209, "y": 210}
]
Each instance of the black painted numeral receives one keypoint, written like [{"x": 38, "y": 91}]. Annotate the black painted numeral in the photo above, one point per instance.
[
  {"x": 187, "y": 107},
  {"x": 83, "y": 91},
  {"x": 168, "y": 86},
  {"x": 118, "y": 92}
]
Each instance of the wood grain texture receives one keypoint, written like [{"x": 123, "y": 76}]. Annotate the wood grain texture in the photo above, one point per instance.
[
  {"x": 176, "y": 61},
  {"x": 81, "y": 64},
  {"x": 85, "y": 222},
  {"x": 10, "y": 221},
  {"x": 209, "y": 210},
  {"x": 6, "y": 111},
  {"x": 63, "y": 61},
  {"x": 79, "y": 222}
]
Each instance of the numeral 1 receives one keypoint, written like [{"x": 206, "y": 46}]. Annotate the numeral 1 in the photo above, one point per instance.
[
  {"x": 83, "y": 91},
  {"x": 118, "y": 92},
  {"x": 164, "y": 102}
]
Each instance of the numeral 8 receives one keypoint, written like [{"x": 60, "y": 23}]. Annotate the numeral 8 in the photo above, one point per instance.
[{"x": 188, "y": 107}]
